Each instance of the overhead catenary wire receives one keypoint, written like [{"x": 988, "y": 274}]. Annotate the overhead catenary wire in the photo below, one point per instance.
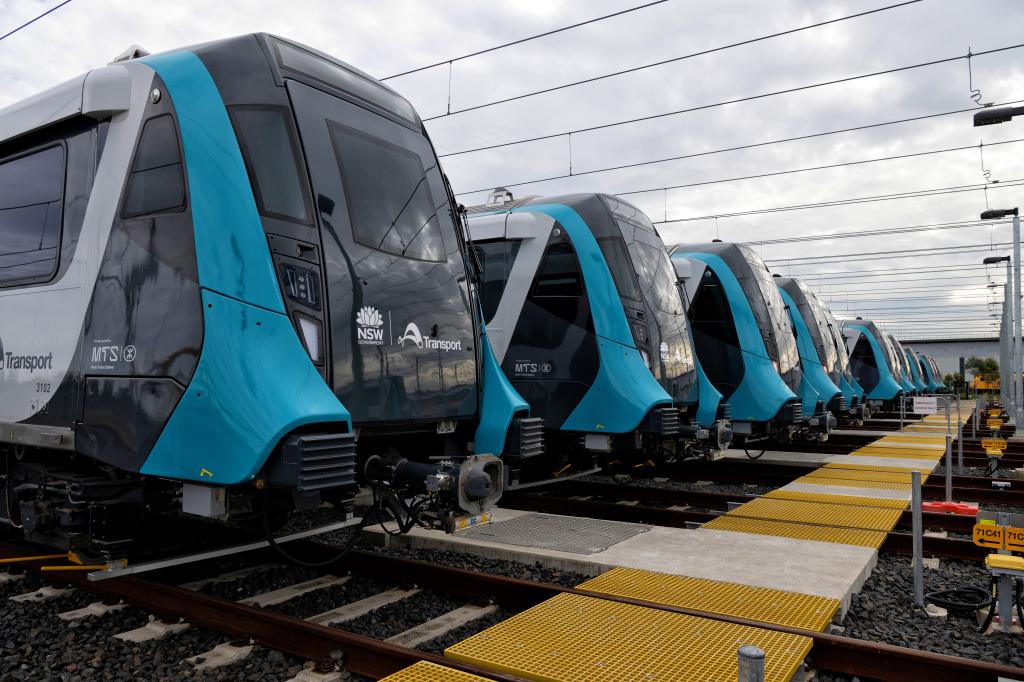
[
  {"x": 911, "y": 194},
  {"x": 672, "y": 60},
  {"x": 34, "y": 19},
  {"x": 884, "y": 255},
  {"x": 752, "y": 145},
  {"x": 748, "y": 98},
  {"x": 756, "y": 176},
  {"x": 520, "y": 41}
]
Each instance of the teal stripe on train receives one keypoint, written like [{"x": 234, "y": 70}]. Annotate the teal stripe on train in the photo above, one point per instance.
[{"x": 254, "y": 382}]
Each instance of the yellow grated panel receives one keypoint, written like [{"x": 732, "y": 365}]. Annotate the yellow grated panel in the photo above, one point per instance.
[
  {"x": 931, "y": 440},
  {"x": 763, "y": 604},
  {"x": 571, "y": 637},
  {"x": 892, "y": 452},
  {"x": 425, "y": 671},
  {"x": 882, "y": 469},
  {"x": 835, "y": 515},
  {"x": 799, "y": 531},
  {"x": 853, "y": 483},
  {"x": 861, "y": 474},
  {"x": 832, "y": 498}
]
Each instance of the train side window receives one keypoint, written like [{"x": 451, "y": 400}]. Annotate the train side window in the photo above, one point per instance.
[
  {"x": 31, "y": 197},
  {"x": 559, "y": 274},
  {"x": 156, "y": 183},
  {"x": 388, "y": 195},
  {"x": 269, "y": 145}
]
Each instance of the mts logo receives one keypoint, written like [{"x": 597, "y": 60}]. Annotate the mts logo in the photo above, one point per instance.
[
  {"x": 370, "y": 334},
  {"x": 106, "y": 353},
  {"x": 526, "y": 367}
]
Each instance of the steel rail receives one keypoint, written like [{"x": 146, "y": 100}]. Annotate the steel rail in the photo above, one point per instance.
[{"x": 375, "y": 659}]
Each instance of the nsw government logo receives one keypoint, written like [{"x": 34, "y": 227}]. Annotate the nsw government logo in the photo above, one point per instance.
[{"x": 369, "y": 327}]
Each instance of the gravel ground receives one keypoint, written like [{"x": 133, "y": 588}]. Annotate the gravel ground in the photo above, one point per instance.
[
  {"x": 320, "y": 601},
  {"x": 36, "y": 645},
  {"x": 396, "y": 618},
  {"x": 438, "y": 645},
  {"x": 510, "y": 569},
  {"x": 883, "y": 612},
  {"x": 694, "y": 486}
]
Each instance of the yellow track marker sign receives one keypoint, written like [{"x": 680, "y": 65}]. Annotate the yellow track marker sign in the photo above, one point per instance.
[
  {"x": 993, "y": 443},
  {"x": 989, "y": 535}
]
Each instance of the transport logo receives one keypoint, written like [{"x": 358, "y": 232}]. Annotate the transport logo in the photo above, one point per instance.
[
  {"x": 30, "y": 362},
  {"x": 663, "y": 349},
  {"x": 413, "y": 335},
  {"x": 370, "y": 327}
]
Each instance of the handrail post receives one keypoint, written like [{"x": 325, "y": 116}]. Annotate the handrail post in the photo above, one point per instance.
[{"x": 918, "y": 541}]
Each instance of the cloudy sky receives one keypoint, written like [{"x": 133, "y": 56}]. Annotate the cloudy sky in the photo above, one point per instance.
[{"x": 918, "y": 295}]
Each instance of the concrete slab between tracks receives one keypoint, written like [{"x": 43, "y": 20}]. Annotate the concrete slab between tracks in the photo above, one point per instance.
[
  {"x": 806, "y": 566},
  {"x": 884, "y": 462},
  {"x": 780, "y": 457}
]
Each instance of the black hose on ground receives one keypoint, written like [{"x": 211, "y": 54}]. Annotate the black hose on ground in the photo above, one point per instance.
[
  {"x": 961, "y": 599},
  {"x": 349, "y": 544},
  {"x": 757, "y": 456}
]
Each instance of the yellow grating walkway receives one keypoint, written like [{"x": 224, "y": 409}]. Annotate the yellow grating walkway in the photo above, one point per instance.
[
  {"x": 853, "y": 483},
  {"x": 830, "y": 498},
  {"x": 792, "y": 609},
  {"x": 799, "y": 531},
  {"x": 828, "y": 471},
  {"x": 570, "y": 637},
  {"x": 834, "y": 465},
  {"x": 875, "y": 451},
  {"x": 837, "y": 515},
  {"x": 425, "y": 671}
]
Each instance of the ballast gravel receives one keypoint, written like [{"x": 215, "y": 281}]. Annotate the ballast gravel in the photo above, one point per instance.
[
  {"x": 883, "y": 611},
  {"x": 37, "y": 645},
  {"x": 662, "y": 483}
]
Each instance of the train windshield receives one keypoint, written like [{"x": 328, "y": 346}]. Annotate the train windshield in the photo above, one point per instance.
[
  {"x": 838, "y": 343},
  {"x": 811, "y": 309},
  {"x": 771, "y": 317}
]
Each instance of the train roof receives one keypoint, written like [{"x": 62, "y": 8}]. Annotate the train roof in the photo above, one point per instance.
[{"x": 106, "y": 90}]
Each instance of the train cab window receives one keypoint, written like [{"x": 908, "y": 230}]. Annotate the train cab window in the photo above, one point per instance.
[
  {"x": 559, "y": 274},
  {"x": 156, "y": 182},
  {"x": 389, "y": 199},
  {"x": 496, "y": 258},
  {"x": 864, "y": 364},
  {"x": 617, "y": 258},
  {"x": 269, "y": 148},
  {"x": 657, "y": 269},
  {"x": 31, "y": 194}
]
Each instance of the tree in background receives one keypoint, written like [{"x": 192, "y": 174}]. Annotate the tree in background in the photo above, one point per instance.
[{"x": 986, "y": 369}]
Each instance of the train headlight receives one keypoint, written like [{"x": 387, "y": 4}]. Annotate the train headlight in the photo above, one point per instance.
[
  {"x": 312, "y": 333},
  {"x": 646, "y": 357},
  {"x": 640, "y": 333}
]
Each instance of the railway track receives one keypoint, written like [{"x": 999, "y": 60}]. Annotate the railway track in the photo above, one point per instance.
[
  {"x": 668, "y": 507},
  {"x": 1008, "y": 491},
  {"x": 375, "y": 659}
]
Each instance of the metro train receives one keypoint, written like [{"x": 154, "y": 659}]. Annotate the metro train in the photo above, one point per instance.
[
  {"x": 905, "y": 375},
  {"x": 233, "y": 282},
  {"x": 819, "y": 355},
  {"x": 842, "y": 373},
  {"x": 873, "y": 363},
  {"x": 583, "y": 313},
  {"x": 915, "y": 370},
  {"x": 744, "y": 342},
  {"x": 932, "y": 373}
]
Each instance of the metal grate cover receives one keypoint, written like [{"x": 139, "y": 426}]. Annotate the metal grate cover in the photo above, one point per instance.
[
  {"x": 572, "y": 638},
  {"x": 854, "y": 483},
  {"x": 763, "y": 604},
  {"x": 829, "y": 471},
  {"x": 561, "y": 533},
  {"x": 799, "y": 531},
  {"x": 425, "y": 671}
]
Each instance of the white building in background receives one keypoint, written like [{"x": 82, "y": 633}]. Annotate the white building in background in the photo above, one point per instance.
[{"x": 948, "y": 353}]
